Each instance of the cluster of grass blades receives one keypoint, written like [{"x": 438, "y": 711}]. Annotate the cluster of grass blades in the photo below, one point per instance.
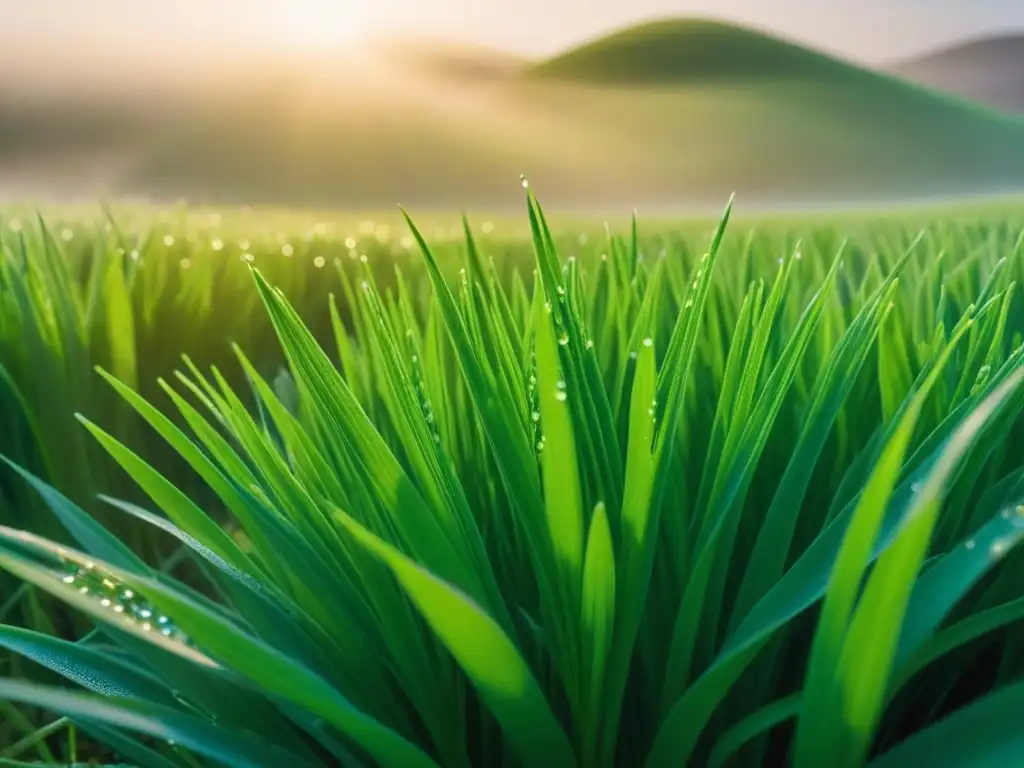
[{"x": 722, "y": 507}]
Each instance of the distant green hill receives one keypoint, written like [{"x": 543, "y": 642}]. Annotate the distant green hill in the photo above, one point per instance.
[
  {"x": 686, "y": 51},
  {"x": 712, "y": 106},
  {"x": 662, "y": 115}
]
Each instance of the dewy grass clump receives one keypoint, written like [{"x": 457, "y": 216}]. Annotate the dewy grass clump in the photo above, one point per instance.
[{"x": 709, "y": 508}]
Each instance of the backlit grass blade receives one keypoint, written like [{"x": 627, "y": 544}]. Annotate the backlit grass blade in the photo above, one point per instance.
[
  {"x": 844, "y": 584},
  {"x": 597, "y": 625},
  {"x": 636, "y": 534},
  {"x": 867, "y": 656},
  {"x": 938, "y": 589},
  {"x": 485, "y": 654}
]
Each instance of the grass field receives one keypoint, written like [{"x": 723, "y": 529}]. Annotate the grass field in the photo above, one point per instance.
[{"x": 499, "y": 492}]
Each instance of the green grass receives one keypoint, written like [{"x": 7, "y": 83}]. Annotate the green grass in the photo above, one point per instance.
[{"x": 702, "y": 495}]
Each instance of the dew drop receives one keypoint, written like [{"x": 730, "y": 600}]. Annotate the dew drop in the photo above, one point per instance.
[
  {"x": 563, "y": 340},
  {"x": 185, "y": 263},
  {"x": 319, "y": 262},
  {"x": 535, "y": 415},
  {"x": 217, "y": 244},
  {"x": 287, "y": 249},
  {"x": 648, "y": 342},
  {"x": 168, "y": 240},
  {"x": 525, "y": 182}
]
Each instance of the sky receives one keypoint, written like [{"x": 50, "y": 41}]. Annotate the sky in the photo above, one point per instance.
[{"x": 866, "y": 31}]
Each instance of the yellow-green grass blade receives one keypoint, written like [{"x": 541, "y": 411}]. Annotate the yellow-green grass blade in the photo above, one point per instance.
[
  {"x": 867, "y": 656},
  {"x": 852, "y": 561},
  {"x": 484, "y": 652}
]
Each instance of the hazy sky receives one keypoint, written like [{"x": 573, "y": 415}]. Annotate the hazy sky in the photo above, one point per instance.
[{"x": 863, "y": 30}]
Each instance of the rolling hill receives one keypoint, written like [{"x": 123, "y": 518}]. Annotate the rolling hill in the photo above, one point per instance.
[
  {"x": 989, "y": 71},
  {"x": 667, "y": 114},
  {"x": 685, "y": 51}
]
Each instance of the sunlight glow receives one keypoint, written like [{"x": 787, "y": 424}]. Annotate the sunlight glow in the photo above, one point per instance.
[{"x": 322, "y": 23}]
